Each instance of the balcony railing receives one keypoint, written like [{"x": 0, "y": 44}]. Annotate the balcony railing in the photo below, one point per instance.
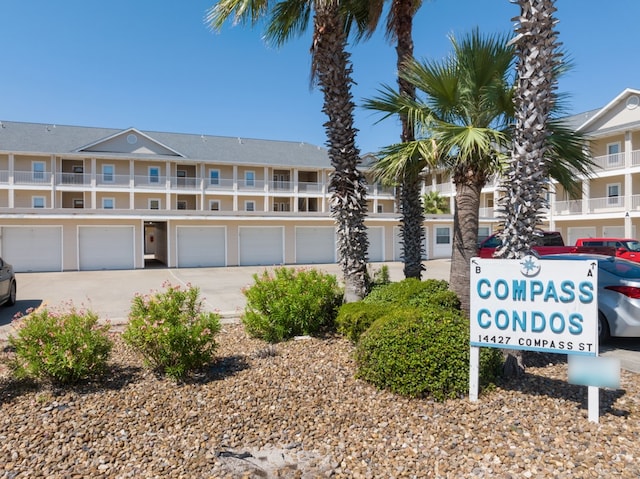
[
  {"x": 146, "y": 181},
  {"x": 593, "y": 205},
  {"x": 281, "y": 186},
  {"x": 220, "y": 184},
  {"x": 32, "y": 177},
  {"x": 251, "y": 185},
  {"x": 309, "y": 187},
  {"x": 613, "y": 161},
  {"x": 70, "y": 178},
  {"x": 113, "y": 180}
]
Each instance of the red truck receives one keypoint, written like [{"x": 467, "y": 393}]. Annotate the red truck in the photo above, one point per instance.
[
  {"x": 621, "y": 247},
  {"x": 549, "y": 242}
]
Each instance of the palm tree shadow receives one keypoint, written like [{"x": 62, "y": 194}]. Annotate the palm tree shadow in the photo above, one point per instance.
[{"x": 220, "y": 369}]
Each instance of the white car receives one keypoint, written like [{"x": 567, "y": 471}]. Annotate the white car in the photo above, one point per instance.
[
  {"x": 618, "y": 294},
  {"x": 8, "y": 287}
]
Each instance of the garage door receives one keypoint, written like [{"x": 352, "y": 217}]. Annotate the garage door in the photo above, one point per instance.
[
  {"x": 261, "y": 245},
  {"x": 33, "y": 249},
  {"x": 201, "y": 246},
  {"x": 105, "y": 247},
  {"x": 315, "y": 244},
  {"x": 376, "y": 243}
]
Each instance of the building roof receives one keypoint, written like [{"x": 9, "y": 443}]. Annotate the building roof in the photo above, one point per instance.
[{"x": 40, "y": 138}]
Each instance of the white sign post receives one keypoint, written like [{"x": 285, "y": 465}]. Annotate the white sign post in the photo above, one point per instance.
[{"x": 536, "y": 305}]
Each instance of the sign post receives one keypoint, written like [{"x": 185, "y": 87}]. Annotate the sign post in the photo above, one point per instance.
[{"x": 536, "y": 305}]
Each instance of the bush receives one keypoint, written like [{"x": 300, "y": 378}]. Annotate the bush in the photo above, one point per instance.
[
  {"x": 171, "y": 331},
  {"x": 291, "y": 303},
  {"x": 422, "y": 352},
  {"x": 60, "y": 347},
  {"x": 355, "y": 318},
  {"x": 402, "y": 292},
  {"x": 445, "y": 299}
]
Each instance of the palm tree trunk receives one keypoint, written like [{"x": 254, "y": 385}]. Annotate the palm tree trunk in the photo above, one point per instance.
[
  {"x": 332, "y": 68},
  {"x": 412, "y": 231},
  {"x": 526, "y": 181},
  {"x": 412, "y": 226},
  {"x": 469, "y": 184}
]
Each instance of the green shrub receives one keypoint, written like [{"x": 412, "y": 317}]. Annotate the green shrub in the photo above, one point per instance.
[
  {"x": 419, "y": 352},
  {"x": 381, "y": 276},
  {"x": 355, "y": 318},
  {"x": 291, "y": 303},
  {"x": 446, "y": 299},
  {"x": 401, "y": 292},
  {"x": 60, "y": 347},
  {"x": 171, "y": 331}
]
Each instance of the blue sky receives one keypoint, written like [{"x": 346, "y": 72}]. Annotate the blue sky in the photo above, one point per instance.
[{"x": 155, "y": 65}]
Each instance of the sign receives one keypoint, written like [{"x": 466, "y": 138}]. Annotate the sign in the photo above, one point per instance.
[{"x": 535, "y": 304}]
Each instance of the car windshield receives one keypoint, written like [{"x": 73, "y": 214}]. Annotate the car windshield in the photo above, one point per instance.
[{"x": 631, "y": 245}]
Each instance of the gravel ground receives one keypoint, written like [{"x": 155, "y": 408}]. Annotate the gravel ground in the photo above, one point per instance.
[{"x": 295, "y": 410}]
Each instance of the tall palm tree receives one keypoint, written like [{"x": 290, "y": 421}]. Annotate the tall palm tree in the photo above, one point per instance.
[
  {"x": 399, "y": 29},
  {"x": 331, "y": 69},
  {"x": 463, "y": 125},
  {"x": 525, "y": 183},
  {"x": 435, "y": 204}
]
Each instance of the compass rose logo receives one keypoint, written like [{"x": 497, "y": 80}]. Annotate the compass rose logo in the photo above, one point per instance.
[{"x": 530, "y": 266}]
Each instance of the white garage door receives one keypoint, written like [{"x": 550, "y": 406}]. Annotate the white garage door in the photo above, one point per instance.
[
  {"x": 33, "y": 249},
  {"x": 261, "y": 245},
  {"x": 315, "y": 244},
  {"x": 575, "y": 233},
  {"x": 105, "y": 247},
  {"x": 201, "y": 246},
  {"x": 376, "y": 243}
]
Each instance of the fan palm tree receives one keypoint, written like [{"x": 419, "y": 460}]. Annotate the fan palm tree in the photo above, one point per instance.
[
  {"x": 331, "y": 70},
  {"x": 435, "y": 204},
  {"x": 463, "y": 125}
]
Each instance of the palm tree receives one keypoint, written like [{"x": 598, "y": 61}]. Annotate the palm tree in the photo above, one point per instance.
[
  {"x": 331, "y": 69},
  {"x": 435, "y": 204},
  {"x": 525, "y": 183},
  {"x": 461, "y": 125},
  {"x": 399, "y": 28},
  {"x": 464, "y": 125}
]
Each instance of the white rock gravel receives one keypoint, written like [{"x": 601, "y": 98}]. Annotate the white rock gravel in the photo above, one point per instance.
[{"x": 296, "y": 411}]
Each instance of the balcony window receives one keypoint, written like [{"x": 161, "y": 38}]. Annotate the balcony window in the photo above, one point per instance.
[
  {"x": 250, "y": 178},
  {"x": 614, "y": 157},
  {"x": 613, "y": 194},
  {"x": 37, "y": 202},
  {"x": 214, "y": 205},
  {"x": 182, "y": 205},
  {"x": 214, "y": 177},
  {"x": 38, "y": 170},
  {"x": 380, "y": 208},
  {"x": 154, "y": 174},
  {"x": 78, "y": 203},
  {"x": 108, "y": 173},
  {"x": 108, "y": 203},
  {"x": 249, "y": 205},
  {"x": 154, "y": 204}
]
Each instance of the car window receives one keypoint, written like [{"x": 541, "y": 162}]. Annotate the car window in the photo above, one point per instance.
[
  {"x": 552, "y": 240},
  {"x": 631, "y": 245},
  {"x": 492, "y": 242},
  {"x": 623, "y": 269}
]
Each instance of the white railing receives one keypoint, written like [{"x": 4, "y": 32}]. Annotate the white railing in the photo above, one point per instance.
[
  {"x": 309, "y": 187},
  {"x": 70, "y": 178},
  {"x": 146, "y": 181},
  {"x": 570, "y": 207},
  {"x": 635, "y": 158},
  {"x": 32, "y": 177},
  {"x": 610, "y": 162},
  {"x": 113, "y": 180}
]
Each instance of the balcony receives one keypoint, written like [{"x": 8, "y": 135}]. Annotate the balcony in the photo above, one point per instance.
[
  {"x": 32, "y": 178},
  {"x": 609, "y": 204},
  {"x": 614, "y": 161}
]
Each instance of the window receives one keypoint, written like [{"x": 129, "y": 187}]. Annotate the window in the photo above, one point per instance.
[
  {"x": 182, "y": 205},
  {"x": 214, "y": 177},
  {"x": 443, "y": 236},
  {"x": 613, "y": 154},
  {"x": 108, "y": 203},
  {"x": 214, "y": 205},
  {"x": 250, "y": 178},
  {"x": 78, "y": 203},
  {"x": 38, "y": 170},
  {"x": 249, "y": 205},
  {"x": 154, "y": 204},
  {"x": 182, "y": 177},
  {"x": 154, "y": 174},
  {"x": 107, "y": 173},
  {"x": 380, "y": 208},
  {"x": 38, "y": 201},
  {"x": 613, "y": 194}
]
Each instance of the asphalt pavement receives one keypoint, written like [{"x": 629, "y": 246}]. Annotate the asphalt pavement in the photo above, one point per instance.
[{"x": 109, "y": 293}]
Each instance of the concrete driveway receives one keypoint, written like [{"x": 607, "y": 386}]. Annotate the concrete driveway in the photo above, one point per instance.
[{"x": 109, "y": 293}]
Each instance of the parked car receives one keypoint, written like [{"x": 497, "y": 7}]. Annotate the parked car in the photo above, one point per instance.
[
  {"x": 8, "y": 287},
  {"x": 622, "y": 247},
  {"x": 549, "y": 242},
  {"x": 618, "y": 294}
]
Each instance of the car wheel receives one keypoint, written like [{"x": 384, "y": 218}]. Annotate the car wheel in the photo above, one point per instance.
[
  {"x": 603, "y": 329},
  {"x": 12, "y": 295}
]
